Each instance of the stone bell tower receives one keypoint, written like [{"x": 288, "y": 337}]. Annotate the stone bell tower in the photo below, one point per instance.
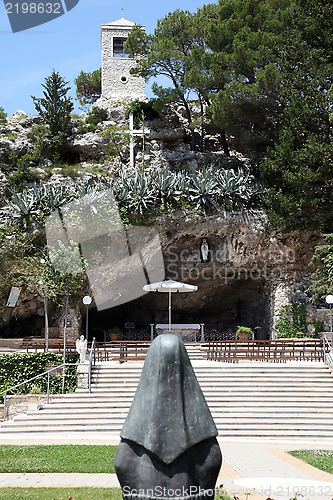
[{"x": 117, "y": 82}]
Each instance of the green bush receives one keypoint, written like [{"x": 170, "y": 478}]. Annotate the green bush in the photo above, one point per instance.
[
  {"x": 69, "y": 170},
  {"x": 7, "y": 133},
  {"x": 142, "y": 110},
  {"x": 292, "y": 321},
  {"x": 18, "y": 367},
  {"x": 22, "y": 177},
  {"x": 94, "y": 117},
  {"x": 18, "y": 169},
  {"x": 3, "y": 116}
]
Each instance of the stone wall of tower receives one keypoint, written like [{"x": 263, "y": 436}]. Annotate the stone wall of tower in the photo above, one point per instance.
[{"x": 117, "y": 82}]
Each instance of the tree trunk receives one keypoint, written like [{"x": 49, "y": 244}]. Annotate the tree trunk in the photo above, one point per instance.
[
  {"x": 201, "y": 125},
  {"x": 224, "y": 143}
]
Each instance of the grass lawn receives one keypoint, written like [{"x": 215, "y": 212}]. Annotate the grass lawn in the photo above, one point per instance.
[
  {"x": 57, "y": 458},
  {"x": 73, "y": 494},
  {"x": 60, "y": 493},
  {"x": 322, "y": 459}
]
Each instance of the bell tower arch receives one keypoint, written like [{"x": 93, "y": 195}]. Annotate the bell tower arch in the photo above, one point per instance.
[{"x": 117, "y": 81}]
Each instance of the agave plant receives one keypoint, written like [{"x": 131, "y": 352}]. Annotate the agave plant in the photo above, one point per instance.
[
  {"x": 122, "y": 188},
  {"x": 54, "y": 197},
  {"x": 232, "y": 186},
  {"x": 164, "y": 183},
  {"x": 203, "y": 190},
  {"x": 141, "y": 196},
  {"x": 21, "y": 206},
  {"x": 182, "y": 184}
]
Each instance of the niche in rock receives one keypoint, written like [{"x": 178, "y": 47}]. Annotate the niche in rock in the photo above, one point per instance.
[{"x": 220, "y": 306}]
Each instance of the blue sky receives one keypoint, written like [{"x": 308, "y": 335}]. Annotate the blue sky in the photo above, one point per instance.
[{"x": 68, "y": 44}]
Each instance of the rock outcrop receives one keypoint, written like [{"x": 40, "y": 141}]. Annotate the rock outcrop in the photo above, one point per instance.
[{"x": 252, "y": 271}]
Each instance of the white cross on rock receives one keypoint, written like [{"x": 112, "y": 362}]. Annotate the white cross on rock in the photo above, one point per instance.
[{"x": 135, "y": 133}]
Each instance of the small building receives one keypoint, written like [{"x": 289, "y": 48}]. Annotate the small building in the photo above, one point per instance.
[{"x": 117, "y": 81}]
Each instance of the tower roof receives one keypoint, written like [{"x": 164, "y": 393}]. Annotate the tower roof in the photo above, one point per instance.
[{"x": 122, "y": 22}]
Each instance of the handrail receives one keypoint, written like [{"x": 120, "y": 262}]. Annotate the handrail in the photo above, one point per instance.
[
  {"x": 327, "y": 351},
  {"x": 91, "y": 360},
  {"x": 326, "y": 342},
  {"x": 4, "y": 393}
]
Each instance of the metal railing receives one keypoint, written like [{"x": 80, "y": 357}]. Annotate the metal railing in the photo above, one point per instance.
[
  {"x": 4, "y": 393},
  {"x": 91, "y": 361},
  {"x": 265, "y": 350},
  {"x": 122, "y": 350},
  {"x": 327, "y": 352}
]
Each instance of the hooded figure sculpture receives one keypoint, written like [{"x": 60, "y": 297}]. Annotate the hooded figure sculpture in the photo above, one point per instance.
[{"x": 168, "y": 445}]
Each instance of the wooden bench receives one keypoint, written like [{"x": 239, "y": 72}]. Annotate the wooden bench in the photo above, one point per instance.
[
  {"x": 122, "y": 350},
  {"x": 35, "y": 343},
  {"x": 265, "y": 350}
]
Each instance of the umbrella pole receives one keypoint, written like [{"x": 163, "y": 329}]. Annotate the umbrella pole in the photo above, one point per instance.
[{"x": 169, "y": 310}]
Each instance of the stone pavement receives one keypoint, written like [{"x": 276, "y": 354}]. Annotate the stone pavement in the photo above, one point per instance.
[
  {"x": 259, "y": 469},
  {"x": 264, "y": 469}
]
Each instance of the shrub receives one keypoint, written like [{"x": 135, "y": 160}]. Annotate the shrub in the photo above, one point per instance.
[
  {"x": 243, "y": 330},
  {"x": 3, "y": 116},
  {"x": 18, "y": 367},
  {"x": 142, "y": 110},
  {"x": 292, "y": 321},
  {"x": 94, "y": 117}
]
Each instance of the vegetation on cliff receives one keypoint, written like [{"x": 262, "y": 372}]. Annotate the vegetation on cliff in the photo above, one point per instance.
[{"x": 246, "y": 76}]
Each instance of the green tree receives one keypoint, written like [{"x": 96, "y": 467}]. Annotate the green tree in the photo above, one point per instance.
[
  {"x": 164, "y": 53},
  {"x": 88, "y": 87},
  {"x": 292, "y": 321},
  {"x": 225, "y": 56},
  {"x": 244, "y": 37},
  {"x": 322, "y": 276},
  {"x": 55, "y": 106},
  {"x": 118, "y": 142},
  {"x": 298, "y": 169},
  {"x": 171, "y": 51},
  {"x": 20, "y": 257},
  {"x": 3, "y": 116}
]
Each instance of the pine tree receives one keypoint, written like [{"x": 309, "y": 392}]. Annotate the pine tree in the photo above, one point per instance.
[
  {"x": 88, "y": 87},
  {"x": 298, "y": 169},
  {"x": 56, "y": 106}
]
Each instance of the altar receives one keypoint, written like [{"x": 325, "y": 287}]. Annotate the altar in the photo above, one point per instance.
[{"x": 187, "y": 332}]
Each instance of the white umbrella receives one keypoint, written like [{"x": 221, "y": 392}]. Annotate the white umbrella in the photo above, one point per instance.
[{"x": 170, "y": 286}]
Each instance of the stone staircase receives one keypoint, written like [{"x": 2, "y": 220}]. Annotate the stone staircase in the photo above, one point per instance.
[{"x": 247, "y": 399}]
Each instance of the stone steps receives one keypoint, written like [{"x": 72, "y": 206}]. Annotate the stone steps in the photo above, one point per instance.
[
  {"x": 265, "y": 409},
  {"x": 236, "y": 432},
  {"x": 269, "y": 400}
]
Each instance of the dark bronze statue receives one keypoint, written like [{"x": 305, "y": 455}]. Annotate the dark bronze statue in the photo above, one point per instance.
[{"x": 168, "y": 445}]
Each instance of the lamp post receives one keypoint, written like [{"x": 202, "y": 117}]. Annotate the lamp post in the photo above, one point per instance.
[
  {"x": 329, "y": 300},
  {"x": 65, "y": 340},
  {"x": 87, "y": 301},
  {"x": 46, "y": 304}
]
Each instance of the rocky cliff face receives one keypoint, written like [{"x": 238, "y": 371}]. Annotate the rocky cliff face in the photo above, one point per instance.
[
  {"x": 250, "y": 274},
  {"x": 167, "y": 144},
  {"x": 251, "y": 271}
]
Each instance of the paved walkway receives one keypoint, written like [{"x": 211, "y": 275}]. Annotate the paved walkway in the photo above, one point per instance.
[{"x": 259, "y": 469}]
